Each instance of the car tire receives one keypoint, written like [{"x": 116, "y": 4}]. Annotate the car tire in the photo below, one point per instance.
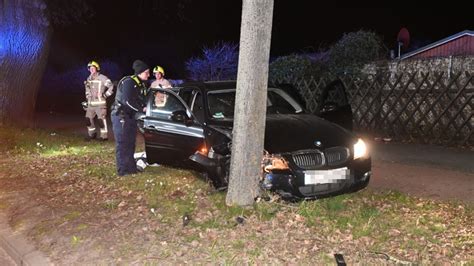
[{"x": 220, "y": 180}]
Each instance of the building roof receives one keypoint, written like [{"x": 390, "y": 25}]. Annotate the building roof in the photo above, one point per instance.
[{"x": 438, "y": 43}]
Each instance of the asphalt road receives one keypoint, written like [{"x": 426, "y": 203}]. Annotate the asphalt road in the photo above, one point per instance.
[
  {"x": 423, "y": 170},
  {"x": 418, "y": 154}
]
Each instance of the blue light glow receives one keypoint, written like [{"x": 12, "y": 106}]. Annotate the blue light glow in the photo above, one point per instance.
[
  {"x": 3, "y": 45},
  {"x": 21, "y": 38}
]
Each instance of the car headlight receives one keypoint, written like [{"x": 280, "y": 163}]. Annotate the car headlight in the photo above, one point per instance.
[{"x": 360, "y": 149}]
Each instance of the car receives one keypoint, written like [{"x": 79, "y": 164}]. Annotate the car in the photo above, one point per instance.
[{"x": 305, "y": 156}]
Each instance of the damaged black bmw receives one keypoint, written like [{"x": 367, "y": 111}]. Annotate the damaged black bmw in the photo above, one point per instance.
[{"x": 305, "y": 155}]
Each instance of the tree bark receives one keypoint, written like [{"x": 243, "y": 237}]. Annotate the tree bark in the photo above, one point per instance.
[
  {"x": 24, "y": 47},
  {"x": 250, "y": 105}
]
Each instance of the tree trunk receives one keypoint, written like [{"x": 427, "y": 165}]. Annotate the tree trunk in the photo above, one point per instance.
[
  {"x": 24, "y": 46},
  {"x": 250, "y": 104}
]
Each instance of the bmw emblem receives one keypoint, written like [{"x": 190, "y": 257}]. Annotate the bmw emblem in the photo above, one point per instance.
[{"x": 317, "y": 143}]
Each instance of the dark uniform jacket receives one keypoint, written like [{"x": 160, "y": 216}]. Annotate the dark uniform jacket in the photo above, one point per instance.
[{"x": 130, "y": 97}]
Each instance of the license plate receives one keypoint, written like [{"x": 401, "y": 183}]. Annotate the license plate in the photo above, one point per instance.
[{"x": 313, "y": 177}]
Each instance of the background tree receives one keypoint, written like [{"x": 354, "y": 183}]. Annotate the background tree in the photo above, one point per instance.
[
  {"x": 290, "y": 67},
  {"x": 355, "y": 49},
  {"x": 216, "y": 63},
  {"x": 25, "y": 32},
  {"x": 24, "y": 38},
  {"x": 250, "y": 104},
  {"x": 348, "y": 55}
]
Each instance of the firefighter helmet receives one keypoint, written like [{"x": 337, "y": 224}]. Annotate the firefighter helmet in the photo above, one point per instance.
[
  {"x": 159, "y": 69},
  {"x": 94, "y": 64}
]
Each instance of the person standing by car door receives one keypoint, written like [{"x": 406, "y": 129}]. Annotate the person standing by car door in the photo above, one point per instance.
[
  {"x": 128, "y": 104},
  {"x": 160, "y": 81},
  {"x": 98, "y": 88}
]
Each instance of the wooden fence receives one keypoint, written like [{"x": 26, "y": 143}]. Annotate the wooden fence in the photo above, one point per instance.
[{"x": 431, "y": 107}]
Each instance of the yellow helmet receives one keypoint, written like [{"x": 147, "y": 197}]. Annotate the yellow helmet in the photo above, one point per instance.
[
  {"x": 159, "y": 69},
  {"x": 94, "y": 64}
]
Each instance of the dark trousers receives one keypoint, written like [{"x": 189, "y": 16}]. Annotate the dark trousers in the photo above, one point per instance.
[{"x": 125, "y": 130}]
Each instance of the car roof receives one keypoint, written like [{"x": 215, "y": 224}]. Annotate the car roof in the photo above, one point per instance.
[
  {"x": 217, "y": 85},
  {"x": 210, "y": 85},
  {"x": 206, "y": 86}
]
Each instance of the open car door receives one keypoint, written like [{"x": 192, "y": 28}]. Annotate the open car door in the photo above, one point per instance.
[
  {"x": 334, "y": 105},
  {"x": 170, "y": 131}
]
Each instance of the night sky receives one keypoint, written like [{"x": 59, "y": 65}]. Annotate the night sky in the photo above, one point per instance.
[{"x": 167, "y": 34}]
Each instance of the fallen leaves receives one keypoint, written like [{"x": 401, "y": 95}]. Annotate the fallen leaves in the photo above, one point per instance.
[
  {"x": 177, "y": 194},
  {"x": 394, "y": 232},
  {"x": 123, "y": 225}
]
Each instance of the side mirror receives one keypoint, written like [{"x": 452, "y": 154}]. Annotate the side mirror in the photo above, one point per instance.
[{"x": 182, "y": 117}]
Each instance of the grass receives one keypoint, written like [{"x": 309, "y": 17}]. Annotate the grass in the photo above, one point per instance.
[
  {"x": 384, "y": 217},
  {"x": 362, "y": 215},
  {"x": 71, "y": 216},
  {"x": 111, "y": 204},
  {"x": 239, "y": 244},
  {"x": 82, "y": 227},
  {"x": 43, "y": 142},
  {"x": 266, "y": 211},
  {"x": 43, "y": 228},
  {"x": 75, "y": 241}
]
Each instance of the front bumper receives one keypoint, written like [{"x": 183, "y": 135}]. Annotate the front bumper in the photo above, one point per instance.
[{"x": 290, "y": 183}]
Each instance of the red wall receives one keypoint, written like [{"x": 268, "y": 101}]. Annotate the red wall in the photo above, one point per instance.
[{"x": 460, "y": 46}]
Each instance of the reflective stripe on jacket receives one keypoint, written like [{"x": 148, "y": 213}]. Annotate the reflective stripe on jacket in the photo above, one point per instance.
[
  {"x": 129, "y": 98},
  {"x": 98, "y": 88}
]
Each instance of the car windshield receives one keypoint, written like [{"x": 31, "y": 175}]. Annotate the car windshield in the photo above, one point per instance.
[{"x": 221, "y": 103}]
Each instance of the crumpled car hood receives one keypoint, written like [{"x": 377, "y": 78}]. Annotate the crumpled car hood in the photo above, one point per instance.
[{"x": 287, "y": 133}]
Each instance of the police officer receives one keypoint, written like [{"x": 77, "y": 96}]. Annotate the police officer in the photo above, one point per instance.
[
  {"x": 128, "y": 104},
  {"x": 98, "y": 88},
  {"x": 160, "y": 81}
]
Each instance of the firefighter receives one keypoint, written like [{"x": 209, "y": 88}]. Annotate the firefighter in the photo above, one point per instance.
[
  {"x": 98, "y": 88},
  {"x": 127, "y": 106},
  {"x": 160, "y": 81}
]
